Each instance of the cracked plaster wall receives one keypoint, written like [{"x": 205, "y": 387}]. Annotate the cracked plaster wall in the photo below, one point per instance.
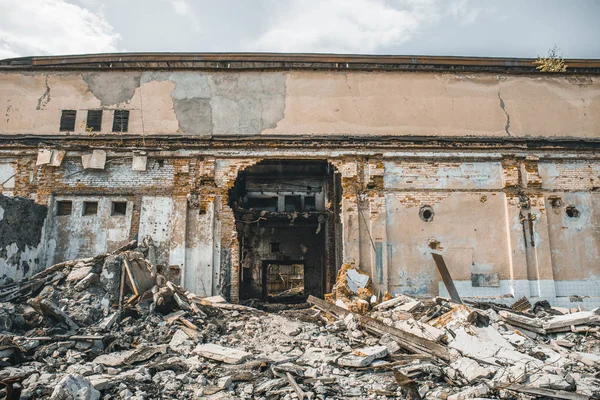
[{"x": 300, "y": 102}]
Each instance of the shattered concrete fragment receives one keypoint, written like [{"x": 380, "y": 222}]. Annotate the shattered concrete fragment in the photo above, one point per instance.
[
  {"x": 363, "y": 356},
  {"x": 471, "y": 370},
  {"x": 566, "y": 321},
  {"x": 220, "y": 353},
  {"x": 471, "y": 393},
  {"x": 356, "y": 280},
  {"x": 75, "y": 387},
  {"x": 86, "y": 282}
]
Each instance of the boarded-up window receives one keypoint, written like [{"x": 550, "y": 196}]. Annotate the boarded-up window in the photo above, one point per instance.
[
  {"x": 64, "y": 207},
  {"x": 67, "y": 120},
  {"x": 94, "y": 120},
  {"x": 121, "y": 121}
]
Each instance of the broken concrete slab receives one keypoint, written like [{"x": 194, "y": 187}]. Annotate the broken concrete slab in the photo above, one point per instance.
[
  {"x": 420, "y": 329},
  {"x": 471, "y": 370},
  {"x": 221, "y": 353},
  {"x": 564, "y": 322},
  {"x": 363, "y": 356}
]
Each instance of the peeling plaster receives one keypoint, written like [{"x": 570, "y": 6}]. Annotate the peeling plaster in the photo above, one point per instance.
[
  {"x": 225, "y": 103},
  {"x": 114, "y": 87}
]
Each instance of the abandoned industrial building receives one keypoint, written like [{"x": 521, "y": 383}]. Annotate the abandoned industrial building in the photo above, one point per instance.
[{"x": 258, "y": 174}]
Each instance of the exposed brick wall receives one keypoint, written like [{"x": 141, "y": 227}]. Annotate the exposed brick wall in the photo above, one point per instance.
[
  {"x": 118, "y": 174},
  {"x": 571, "y": 175}
]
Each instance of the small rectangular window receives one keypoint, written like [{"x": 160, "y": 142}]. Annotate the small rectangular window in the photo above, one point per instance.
[
  {"x": 275, "y": 247},
  {"x": 293, "y": 203},
  {"x": 309, "y": 203},
  {"x": 119, "y": 208},
  {"x": 67, "y": 120},
  {"x": 94, "y": 120},
  {"x": 64, "y": 207},
  {"x": 121, "y": 121},
  {"x": 90, "y": 207}
]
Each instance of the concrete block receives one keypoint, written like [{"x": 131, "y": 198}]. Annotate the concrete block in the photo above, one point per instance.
[
  {"x": 44, "y": 157},
  {"x": 139, "y": 163},
  {"x": 96, "y": 160}
]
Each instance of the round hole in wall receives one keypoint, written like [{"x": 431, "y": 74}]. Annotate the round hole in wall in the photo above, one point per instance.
[
  {"x": 426, "y": 213},
  {"x": 572, "y": 212},
  {"x": 556, "y": 202}
]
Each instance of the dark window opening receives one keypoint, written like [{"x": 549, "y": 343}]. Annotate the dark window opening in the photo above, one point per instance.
[
  {"x": 64, "y": 207},
  {"x": 119, "y": 208},
  {"x": 573, "y": 212},
  {"x": 121, "y": 121},
  {"x": 293, "y": 203},
  {"x": 90, "y": 207},
  {"x": 426, "y": 213},
  {"x": 284, "y": 280},
  {"x": 275, "y": 247},
  {"x": 263, "y": 203},
  {"x": 94, "y": 120},
  {"x": 309, "y": 203},
  {"x": 67, "y": 120}
]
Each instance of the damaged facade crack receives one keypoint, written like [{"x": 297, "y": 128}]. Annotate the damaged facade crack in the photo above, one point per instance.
[{"x": 502, "y": 106}]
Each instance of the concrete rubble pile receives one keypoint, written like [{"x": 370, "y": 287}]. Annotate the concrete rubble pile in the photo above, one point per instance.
[{"x": 113, "y": 327}]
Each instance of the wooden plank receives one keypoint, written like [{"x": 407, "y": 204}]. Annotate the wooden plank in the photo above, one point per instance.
[
  {"x": 139, "y": 276},
  {"x": 297, "y": 389},
  {"x": 448, "y": 282},
  {"x": 408, "y": 341},
  {"x": 550, "y": 393}
]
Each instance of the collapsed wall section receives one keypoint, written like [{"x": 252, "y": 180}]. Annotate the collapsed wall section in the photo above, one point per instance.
[{"x": 22, "y": 223}]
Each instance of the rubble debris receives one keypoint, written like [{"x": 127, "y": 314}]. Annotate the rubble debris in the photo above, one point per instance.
[
  {"x": 220, "y": 353},
  {"x": 113, "y": 326}
]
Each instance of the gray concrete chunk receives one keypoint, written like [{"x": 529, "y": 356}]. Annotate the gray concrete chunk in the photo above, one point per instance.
[{"x": 220, "y": 353}]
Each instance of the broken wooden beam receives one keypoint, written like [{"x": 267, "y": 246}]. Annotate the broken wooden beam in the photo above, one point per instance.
[
  {"x": 448, "y": 282},
  {"x": 408, "y": 341}
]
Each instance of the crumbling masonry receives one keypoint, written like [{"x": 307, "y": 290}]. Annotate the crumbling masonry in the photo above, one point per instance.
[{"x": 241, "y": 165}]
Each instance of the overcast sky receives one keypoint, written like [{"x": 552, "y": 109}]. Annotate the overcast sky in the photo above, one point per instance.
[{"x": 505, "y": 28}]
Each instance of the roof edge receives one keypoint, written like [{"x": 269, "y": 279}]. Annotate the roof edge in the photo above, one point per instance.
[{"x": 233, "y": 61}]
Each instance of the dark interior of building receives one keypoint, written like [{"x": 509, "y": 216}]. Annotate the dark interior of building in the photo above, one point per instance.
[{"x": 287, "y": 219}]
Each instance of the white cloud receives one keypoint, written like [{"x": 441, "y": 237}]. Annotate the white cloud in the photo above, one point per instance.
[
  {"x": 353, "y": 26},
  {"x": 39, "y": 27},
  {"x": 182, "y": 7}
]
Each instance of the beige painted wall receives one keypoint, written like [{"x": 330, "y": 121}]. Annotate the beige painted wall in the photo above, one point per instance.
[{"x": 311, "y": 103}]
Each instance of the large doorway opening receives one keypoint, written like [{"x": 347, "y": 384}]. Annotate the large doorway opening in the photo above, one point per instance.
[{"x": 289, "y": 230}]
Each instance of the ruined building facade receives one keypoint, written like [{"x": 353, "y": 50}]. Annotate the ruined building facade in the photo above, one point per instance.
[{"x": 255, "y": 173}]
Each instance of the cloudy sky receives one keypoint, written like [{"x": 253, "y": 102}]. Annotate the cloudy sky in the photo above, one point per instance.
[{"x": 505, "y": 28}]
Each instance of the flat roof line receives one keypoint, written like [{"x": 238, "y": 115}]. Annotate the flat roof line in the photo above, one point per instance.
[{"x": 282, "y": 61}]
